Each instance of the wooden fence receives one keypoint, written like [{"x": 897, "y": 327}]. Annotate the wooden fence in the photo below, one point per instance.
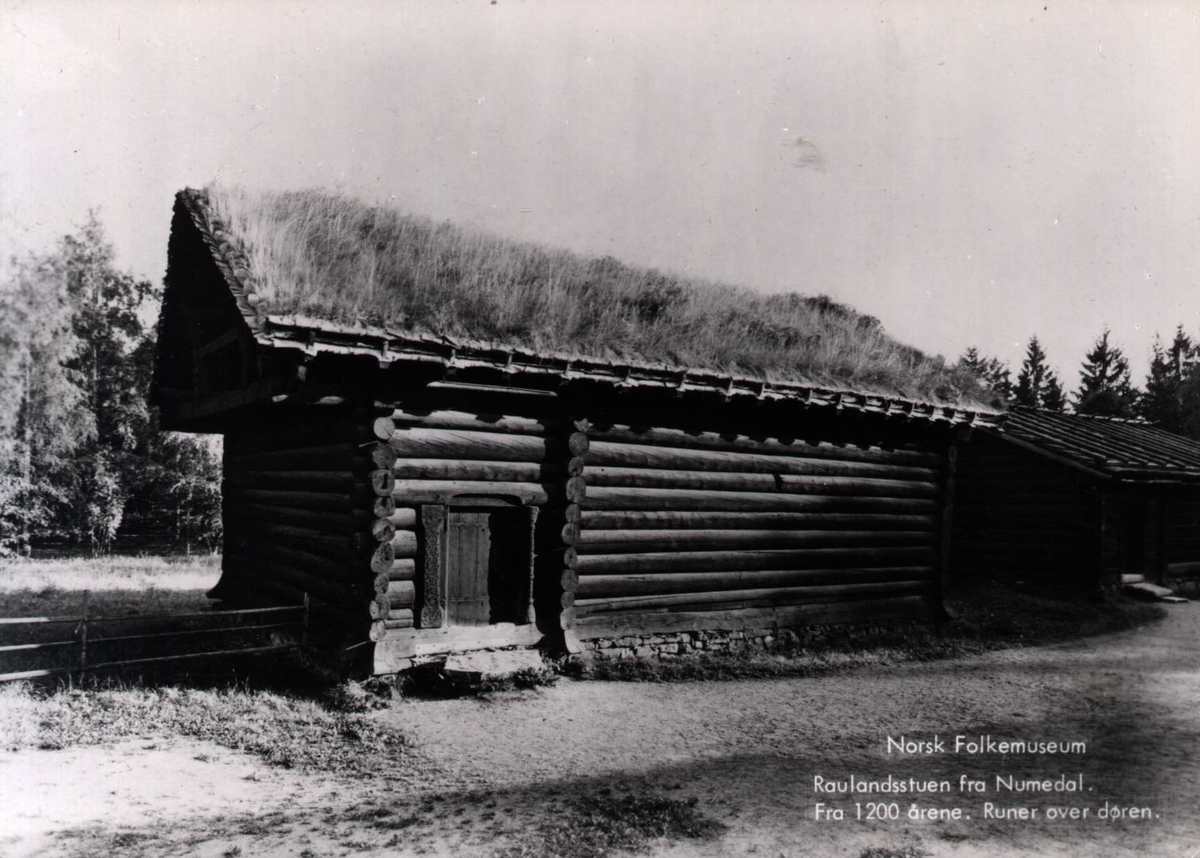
[{"x": 83, "y": 637}]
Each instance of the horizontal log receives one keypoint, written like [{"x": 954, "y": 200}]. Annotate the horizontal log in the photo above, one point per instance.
[
  {"x": 443, "y": 491},
  {"x": 720, "y": 482},
  {"x": 325, "y": 457},
  {"x": 329, "y": 501},
  {"x": 404, "y": 543},
  {"x": 455, "y": 469},
  {"x": 337, "y": 547},
  {"x": 735, "y": 443},
  {"x": 621, "y": 541},
  {"x": 401, "y": 594},
  {"x": 607, "y": 453},
  {"x": 719, "y": 618},
  {"x": 754, "y": 597},
  {"x": 610, "y": 586},
  {"x": 397, "y": 619},
  {"x": 316, "y": 481},
  {"x": 404, "y": 518},
  {"x": 721, "y": 561},
  {"x": 604, "y": 520},
  {"x": 386, "y": 426},
  {"x": 279, "y": 436},
  {"x": 249, "y": 567},
  {"x": 402, "y": 569},
  {"x": 482, "y": 446},
  {"x": 634, "y": 499},
  {"x": 327, "y": 567},
  {"x": 344, "y": 521}
]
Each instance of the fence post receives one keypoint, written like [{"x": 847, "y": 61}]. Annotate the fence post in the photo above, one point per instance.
[
  {"x": 83, "y": 634},
  {"x": 304, "y": 634}
]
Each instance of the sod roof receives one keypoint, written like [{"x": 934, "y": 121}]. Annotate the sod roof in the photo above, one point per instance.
[{"x": 312, "y": 259}]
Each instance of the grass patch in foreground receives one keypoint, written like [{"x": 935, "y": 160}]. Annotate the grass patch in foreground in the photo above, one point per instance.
[
  {"x": 197, "y": 572},
  {"x": 282, "y": 729},
  {"x": 599, "y": 826},
  {"x": 984, "y": 620}
]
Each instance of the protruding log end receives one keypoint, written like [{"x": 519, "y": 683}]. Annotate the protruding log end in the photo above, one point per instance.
[
  {"x": 382, "y": 559},
  {"x": 575, "y": 466},
  {"x": 382, "y": 482},
  {"x": 383, "y": 456},
  {"x": 379, "y": 607},
  {"x": 382, "y": 530},
  {"x": 570, "y": 533},
  {"x": 577, "y": 443},
  {"x": 576, "y": 489},
  {"x": 384, "y": 428},
  {"x": 384, "y": 507}
]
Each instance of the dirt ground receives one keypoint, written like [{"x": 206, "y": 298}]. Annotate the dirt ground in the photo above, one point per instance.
[{"x": 487, "y": 770}]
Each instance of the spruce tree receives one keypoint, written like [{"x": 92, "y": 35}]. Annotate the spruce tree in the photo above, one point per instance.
[
  {"x": 1162, "y": 401},
  {"x": 1037, "y": 385},
  {"x": 992, "y": 372},
  {"x": 1105, "y": 388}
]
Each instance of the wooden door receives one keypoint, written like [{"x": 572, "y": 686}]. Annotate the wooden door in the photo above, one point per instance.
[{"x": 484, "y": 562}]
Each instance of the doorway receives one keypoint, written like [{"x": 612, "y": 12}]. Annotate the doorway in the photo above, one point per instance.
[
  {"x": 487, "y": 566},
  {"x": 1133, "y": 537}
]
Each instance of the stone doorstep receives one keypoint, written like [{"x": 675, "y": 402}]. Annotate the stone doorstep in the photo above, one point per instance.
[
  {"x": 493, "y": 665},
  {"x": 1151, "y": 592}
]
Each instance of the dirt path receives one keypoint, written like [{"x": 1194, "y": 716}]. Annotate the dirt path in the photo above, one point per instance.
[{"x": 748, "y": 751}]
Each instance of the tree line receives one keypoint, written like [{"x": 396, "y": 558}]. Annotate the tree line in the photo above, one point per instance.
[
  {"x": 82, "y": 456},
  {"x": 1169, "y": 398}
]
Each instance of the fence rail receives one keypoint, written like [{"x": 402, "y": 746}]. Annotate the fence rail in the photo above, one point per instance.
[{"x": 85, "y": 622}]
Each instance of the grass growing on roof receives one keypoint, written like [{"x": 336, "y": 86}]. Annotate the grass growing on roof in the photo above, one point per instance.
[{"x": 319, "y": 254}]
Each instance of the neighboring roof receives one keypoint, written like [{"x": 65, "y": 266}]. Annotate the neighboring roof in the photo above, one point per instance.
[
  {"x": 1107, "y": 446},
  {"x": 273, "y": 249}
]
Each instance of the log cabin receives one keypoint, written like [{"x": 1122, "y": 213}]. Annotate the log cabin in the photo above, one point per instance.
[
  {"x": 1074, "y": 502},
  {"x": 441, "y": 482}
]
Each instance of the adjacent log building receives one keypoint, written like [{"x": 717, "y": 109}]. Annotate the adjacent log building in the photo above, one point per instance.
[
  {"x": 1072, "y": 502},
  {"x": 437, "y": 495}
]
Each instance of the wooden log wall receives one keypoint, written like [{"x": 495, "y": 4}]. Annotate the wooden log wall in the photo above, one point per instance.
[
  {"x": 1019, "y": 517},
  {"x": 1181, "y": 539},
  {"x": 296, "y": 511},
  {"x": 429, "y": 457},
  {"x": 706, "y": 526}
]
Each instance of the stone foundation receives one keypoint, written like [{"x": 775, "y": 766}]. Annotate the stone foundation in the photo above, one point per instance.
[{"x": 674, "y": 645}]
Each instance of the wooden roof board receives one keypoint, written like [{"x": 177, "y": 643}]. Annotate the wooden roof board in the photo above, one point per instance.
[{"x": 1120, "y": 449}]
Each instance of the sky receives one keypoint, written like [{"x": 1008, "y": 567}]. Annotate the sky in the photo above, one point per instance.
[{"x": 970, "y": 173}]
